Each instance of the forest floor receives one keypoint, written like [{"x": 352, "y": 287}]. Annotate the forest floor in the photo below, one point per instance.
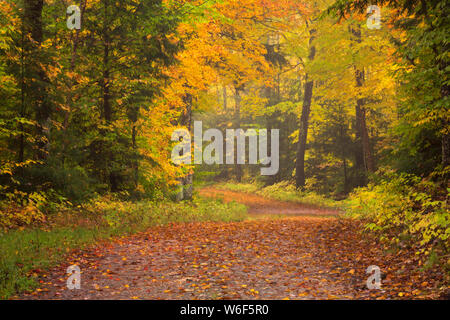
[{"x": 284, "y": 251}]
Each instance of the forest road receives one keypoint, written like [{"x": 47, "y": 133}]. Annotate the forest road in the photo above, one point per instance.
[
  {"x": 304, "y": 253},
  {"x": 258, "y": 206}
]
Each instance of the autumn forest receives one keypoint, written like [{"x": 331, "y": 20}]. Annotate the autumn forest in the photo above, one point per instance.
[{"x": 224, "y": 149}]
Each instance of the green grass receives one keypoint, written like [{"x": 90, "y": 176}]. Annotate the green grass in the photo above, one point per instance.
[
  {"x": 239, "y": 187},
  {"x": 283, "y": 191},
  {"x": 23, "y": 251},
  {"x": 28, "y": 250}
]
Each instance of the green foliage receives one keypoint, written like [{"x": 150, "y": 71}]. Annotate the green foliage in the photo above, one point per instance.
[
  {"x": 286, "y": 191},
  {"x": 22, "y": 251},
  {"x": 131, "y": 217},
  {"x": 240, "y": 187},
  {"x": 422, "y": 70},
  {"x": 405, "y": 209},
  {"x": 283, "y": 191},
  {"x": 72, "y": 103},
  {"x": 21, "y": 209}
]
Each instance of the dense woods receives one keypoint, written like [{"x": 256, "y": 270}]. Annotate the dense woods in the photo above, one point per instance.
[{"x": 87, "y": 114}]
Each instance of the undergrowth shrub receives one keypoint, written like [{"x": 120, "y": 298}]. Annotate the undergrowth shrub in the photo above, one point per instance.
[
  {"x": 406, "y": 210},
  {"x": 21, "y": 209}
]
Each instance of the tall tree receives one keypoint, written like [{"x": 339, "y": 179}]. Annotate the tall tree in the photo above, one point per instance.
[
  {"x": 423, "y": 73},
  {"x": 306, "y": 109},
  {"x": 37, "y": 83}
]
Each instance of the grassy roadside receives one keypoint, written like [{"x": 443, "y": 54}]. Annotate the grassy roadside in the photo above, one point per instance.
[
  {"x": 282, "y": 191},
  {"x": 24, "y": 252}
]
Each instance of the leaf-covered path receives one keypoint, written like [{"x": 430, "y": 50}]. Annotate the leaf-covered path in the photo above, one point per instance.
[{"x": 292, "y": 257}]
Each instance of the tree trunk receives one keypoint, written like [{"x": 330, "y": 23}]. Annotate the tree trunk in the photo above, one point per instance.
[
  {"x": 106, "y": 105},
  {"x": 32, "y": 21},
  {"x": 22, "y": 97},
  {"x": 361, "y": 176},
  {"x": 304, "y": 120},
  {"x": 345, "y": 177},
  {"x": 369, "y": 160},
  {"x": 75, "y": 37},
  {"x": 189, "y": 179},
  {"x": 186, "y": 182},
  {"x": 237, "y": 123},
  {"x": 135, "y": 162},
  {"x": 445, "y": 140},
  {"x": 445, "y": 150},
  {"x": 344, "y": 159},
  {"x": 364, "y": 160},
  {"x": 225, "y": 98}
]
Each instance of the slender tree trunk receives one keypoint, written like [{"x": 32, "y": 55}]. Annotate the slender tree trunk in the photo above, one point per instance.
[
  {"x": 364, "y": 160},
  {"x": 361, "y": 127},
  {"x": 106, "y": 95},
  {"x": 34, "y": 28},
  {"x": 361, "y": 176},
  {"x": 345, "y": 177},
  {"x": 135, "y": 161},
  {"x": 304, "y": 119},
  {"x": 189, "y": 179},
  {"x": 445, "y": 150},
  {"x": 224, "y": 169},
  {"x": 225, "y": 98},
  {"x": 22, "y": 96},
  {"x": 445, "y": 140},
  {"x": 344, "y": 159},
  {"x": 237, "y": 123},
  {"x": 76, "y": 39},
  {"x": 369, "y": 160},
  {"x": 186, "y": 182},
  {"x": 107, "y": 111}
]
